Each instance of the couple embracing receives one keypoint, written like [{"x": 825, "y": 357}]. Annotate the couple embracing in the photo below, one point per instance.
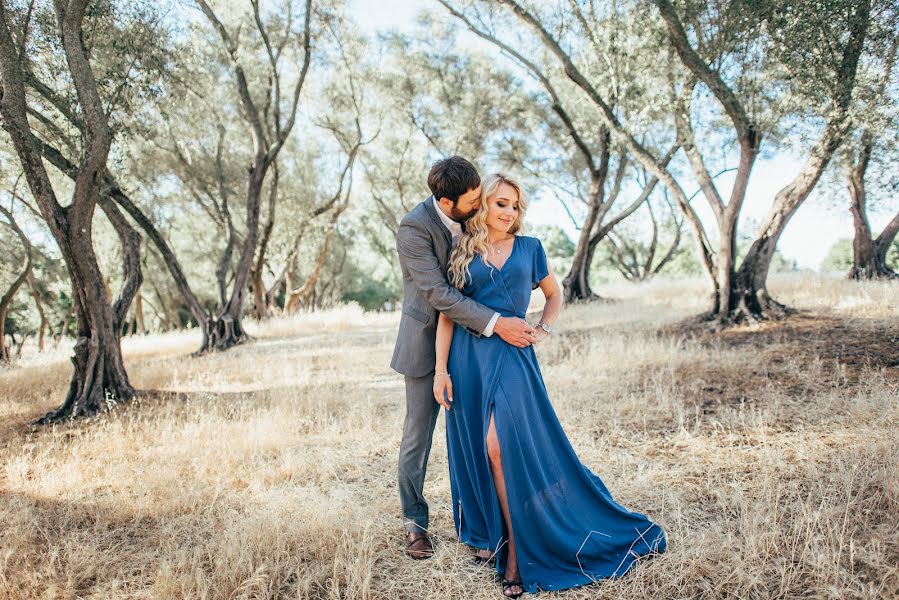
[{"x": 521, "y": 497}]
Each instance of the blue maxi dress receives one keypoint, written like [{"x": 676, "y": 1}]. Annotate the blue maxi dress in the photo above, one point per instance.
[{"x": 568, "y": 530}]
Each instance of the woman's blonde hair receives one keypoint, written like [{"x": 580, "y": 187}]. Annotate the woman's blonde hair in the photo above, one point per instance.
[{"x": 474, "y": 239}]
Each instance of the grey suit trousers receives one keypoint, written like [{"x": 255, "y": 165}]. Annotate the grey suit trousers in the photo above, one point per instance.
[{"x": 415, "y": 447}]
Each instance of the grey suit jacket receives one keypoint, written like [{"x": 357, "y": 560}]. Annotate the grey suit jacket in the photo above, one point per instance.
[{"x": 423, "y": 244}]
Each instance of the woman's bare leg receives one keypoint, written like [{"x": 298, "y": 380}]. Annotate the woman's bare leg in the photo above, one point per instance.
[{"x": 496, "y": 468}]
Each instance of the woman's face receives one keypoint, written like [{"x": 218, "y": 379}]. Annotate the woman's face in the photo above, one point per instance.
[{"x": 502, "y": 208}]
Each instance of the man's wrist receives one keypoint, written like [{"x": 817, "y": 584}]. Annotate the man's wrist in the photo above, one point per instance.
[{"x": 488, "y": 331}]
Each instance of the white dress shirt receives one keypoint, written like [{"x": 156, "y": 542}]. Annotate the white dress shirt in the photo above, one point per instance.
[{"x": 455, "y": 230}]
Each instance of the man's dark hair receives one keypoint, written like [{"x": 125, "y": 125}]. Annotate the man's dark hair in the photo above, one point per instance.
[{"x": 452, "y": 177}]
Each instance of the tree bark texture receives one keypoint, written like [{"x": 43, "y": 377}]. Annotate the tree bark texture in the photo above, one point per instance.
[
  {"x": 749, "y": 298},
  {"x": 869, "y": 256},
  {"x": 99, "y": 379}
]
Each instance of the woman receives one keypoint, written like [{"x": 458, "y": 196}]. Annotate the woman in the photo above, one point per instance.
[{"x": 520, "y": 494}]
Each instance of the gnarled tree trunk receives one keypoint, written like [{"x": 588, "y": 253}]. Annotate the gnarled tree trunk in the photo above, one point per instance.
[
  {"x": 99, "y": 378},
  {"x": 749, "y": 294},
  {"x": 576, "y": 284},
  {"x": 749, "y": 297},
  {"x": 869, "y": 256}
]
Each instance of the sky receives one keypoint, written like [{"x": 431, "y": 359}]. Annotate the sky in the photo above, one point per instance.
[{"x": 817, "y": 224}]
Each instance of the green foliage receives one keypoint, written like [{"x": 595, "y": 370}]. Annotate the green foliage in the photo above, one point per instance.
[
  {"x": 369, "y": 294},
  {"x": 365, "y": 287},
  {"x": 839, "y": 257},
  {"x": 556, "y": 242},
  {"x": 558, "y": 246}
]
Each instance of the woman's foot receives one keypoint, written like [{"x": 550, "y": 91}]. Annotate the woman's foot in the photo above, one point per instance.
[
  {"x": 483, "y": 556},
  {"x": 512, "y": 586}
]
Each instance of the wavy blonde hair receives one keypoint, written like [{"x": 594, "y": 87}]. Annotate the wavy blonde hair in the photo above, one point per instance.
[{"x": 474, "y": 239}]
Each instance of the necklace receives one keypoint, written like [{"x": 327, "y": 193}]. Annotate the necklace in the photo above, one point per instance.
[{"x": 498, "y": 250}]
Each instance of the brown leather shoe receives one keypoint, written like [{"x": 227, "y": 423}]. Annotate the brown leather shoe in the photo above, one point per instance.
[{"x": 418, "y": 545}]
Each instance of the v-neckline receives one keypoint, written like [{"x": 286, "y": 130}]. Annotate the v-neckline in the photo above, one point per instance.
[{"x": 511, "y": 254}]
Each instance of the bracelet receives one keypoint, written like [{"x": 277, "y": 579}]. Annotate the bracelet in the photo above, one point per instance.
[{"x": 443, "y": 373}]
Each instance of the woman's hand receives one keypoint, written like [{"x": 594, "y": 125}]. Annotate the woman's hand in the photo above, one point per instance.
[
  {"x": 540, "y": 335},
  {"x": 443, "y": 383}
]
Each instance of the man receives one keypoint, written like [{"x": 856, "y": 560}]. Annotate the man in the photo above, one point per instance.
[{"x": 424, "y": 241}]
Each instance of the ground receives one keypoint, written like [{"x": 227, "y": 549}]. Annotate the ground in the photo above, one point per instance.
[{"x": 768, "y": 453}]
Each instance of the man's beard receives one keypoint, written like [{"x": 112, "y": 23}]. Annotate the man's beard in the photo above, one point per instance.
[{"x": 461, "y": 217}]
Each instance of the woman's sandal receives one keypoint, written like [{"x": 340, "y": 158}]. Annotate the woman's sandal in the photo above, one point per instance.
[
  {"x": 509, "y": 584},
  {"x": 484, "y": 560}
]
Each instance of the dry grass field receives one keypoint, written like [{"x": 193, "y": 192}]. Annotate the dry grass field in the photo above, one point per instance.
[{"x": 770, "y": 455}]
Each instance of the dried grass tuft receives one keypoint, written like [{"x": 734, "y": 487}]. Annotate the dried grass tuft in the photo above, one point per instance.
[{"x": 769, "y": 454}]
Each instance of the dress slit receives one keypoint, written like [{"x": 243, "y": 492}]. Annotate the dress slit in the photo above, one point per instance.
[{"x": 503, "y": 537}]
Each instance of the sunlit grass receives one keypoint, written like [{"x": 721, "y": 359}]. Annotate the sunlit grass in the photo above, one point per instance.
[{"x": 269, "y": 471}]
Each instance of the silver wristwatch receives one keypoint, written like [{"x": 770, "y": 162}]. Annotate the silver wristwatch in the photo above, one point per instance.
[{"x": 544, "y": 327}]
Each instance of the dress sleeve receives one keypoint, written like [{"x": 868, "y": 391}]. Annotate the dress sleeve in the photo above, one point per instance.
[{"x": 540, "y": 270}]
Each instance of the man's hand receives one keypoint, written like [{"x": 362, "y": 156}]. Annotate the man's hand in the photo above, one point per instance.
[
  {"x": 443, "y": 383},
  {"x": 515, "y": 331}
]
